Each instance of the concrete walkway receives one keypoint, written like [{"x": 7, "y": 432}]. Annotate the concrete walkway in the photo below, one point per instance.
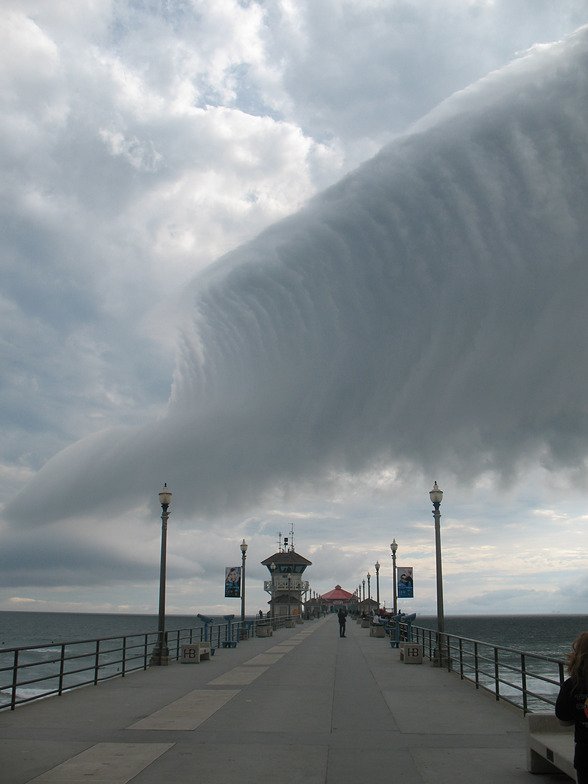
[{"x": 302, "y": 707}]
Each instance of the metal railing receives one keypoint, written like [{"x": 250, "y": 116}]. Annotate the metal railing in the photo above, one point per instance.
[
  {"x": 529, "y": 681},
  {"x": 34, "y": 672}
]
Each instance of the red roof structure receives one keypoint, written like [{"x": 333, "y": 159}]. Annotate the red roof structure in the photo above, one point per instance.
[{"x": 337, "y": 595}]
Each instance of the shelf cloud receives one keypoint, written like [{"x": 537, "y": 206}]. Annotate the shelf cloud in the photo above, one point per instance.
[{"x": 425, "y": 313}]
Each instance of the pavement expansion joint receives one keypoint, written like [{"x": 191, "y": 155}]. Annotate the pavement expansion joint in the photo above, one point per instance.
[
  {"x": 188, "y": 712},
  {"x": 105, "y": 763}
]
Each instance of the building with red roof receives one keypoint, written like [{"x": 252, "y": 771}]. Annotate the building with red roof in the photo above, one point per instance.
[{"x": 338, "y": 597}]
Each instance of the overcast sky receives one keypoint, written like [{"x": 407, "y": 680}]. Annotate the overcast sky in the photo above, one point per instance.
[{"x": 298, "y": 259}]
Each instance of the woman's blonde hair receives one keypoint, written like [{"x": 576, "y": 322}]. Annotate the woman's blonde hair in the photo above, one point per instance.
[{"x": 578, "y": 660}]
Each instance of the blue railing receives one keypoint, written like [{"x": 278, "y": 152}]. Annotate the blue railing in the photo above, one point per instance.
[{"x": 34, "y": 672}]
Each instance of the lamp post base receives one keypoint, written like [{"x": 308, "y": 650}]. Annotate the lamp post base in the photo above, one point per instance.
[
  {"x": 160, "y": 656},
  {"x": 441, "y": 658}
]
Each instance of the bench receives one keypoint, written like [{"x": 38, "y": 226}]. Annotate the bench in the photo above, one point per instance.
[
  {"x": 550, "y": 747},
  {"x": 194, "y": 652}
]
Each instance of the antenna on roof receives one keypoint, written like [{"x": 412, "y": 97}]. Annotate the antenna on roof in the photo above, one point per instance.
[
  {"x": 280, "y": 542},
  {"x": 292, "y": 538}
]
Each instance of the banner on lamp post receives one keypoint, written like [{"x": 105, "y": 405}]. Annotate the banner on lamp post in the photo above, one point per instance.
[
  {"x": 233, "y": 582},
  {"x": 405, "y": 582}
]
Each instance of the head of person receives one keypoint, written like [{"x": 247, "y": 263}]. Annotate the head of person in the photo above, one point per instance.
[{"x": 578, "y": 660}]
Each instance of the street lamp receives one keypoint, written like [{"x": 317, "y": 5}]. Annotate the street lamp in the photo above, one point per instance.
[
  {"x": 436, "y": 496},
  {"x": 363, "y": 590},
  {"x": 369, "y": 577},
  {"x": 160, "y": 653},
  {"x": 394, "y": 547},
  {"x": 378, "y": 583},
  {"x": 244, "y": 547}
]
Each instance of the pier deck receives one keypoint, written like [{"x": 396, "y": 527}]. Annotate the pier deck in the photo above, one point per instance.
[{"x": 318, "y": 708}]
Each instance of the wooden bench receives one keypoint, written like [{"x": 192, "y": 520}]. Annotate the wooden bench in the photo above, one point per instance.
[
  {"x": 550, "y": 747},
  {"x": 194, "y": 652}
]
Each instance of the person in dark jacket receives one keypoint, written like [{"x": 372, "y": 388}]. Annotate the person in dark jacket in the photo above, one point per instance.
[
  {"x": 571, "y": 706},
  {"x": 342, "y": 615}
]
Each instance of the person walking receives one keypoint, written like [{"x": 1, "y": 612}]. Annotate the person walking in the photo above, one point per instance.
[
  {"x": 571, "y": 706},
  {"x": 342, "y": 615}
]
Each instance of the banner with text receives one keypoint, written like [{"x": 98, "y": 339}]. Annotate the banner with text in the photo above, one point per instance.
[
  {"x": 233, "y": 582},
  {"x": 405, "y": 583}
]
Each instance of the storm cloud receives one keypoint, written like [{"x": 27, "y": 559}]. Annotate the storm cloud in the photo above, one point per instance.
[{"x": 425, "y": 313}]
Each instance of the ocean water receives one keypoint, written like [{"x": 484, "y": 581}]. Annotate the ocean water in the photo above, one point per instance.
[
  {"x": 37, "y": 628},
  {"x": 42, "y": 634},
  {"x": 547, "y": 635}
]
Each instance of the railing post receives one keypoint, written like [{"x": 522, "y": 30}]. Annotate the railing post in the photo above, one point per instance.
[
  {"x": 461, "y": 658},
  {"x": 96, "y": 662},
  {"x": 476, "y": 666},
  {"x": 124, "y": 658},
  {"x": 496, "y": 675},
  {"x": 61, "y": 668},
  {"x": 14, "y": 680},
  {"x": 524, "y": 682},
  {"x": 145, "y": 651}
]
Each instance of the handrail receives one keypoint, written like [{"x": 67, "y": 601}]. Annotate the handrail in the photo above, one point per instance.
[
  {"x": 33, "y": 672},
  {"x": 511, "y": 675}
]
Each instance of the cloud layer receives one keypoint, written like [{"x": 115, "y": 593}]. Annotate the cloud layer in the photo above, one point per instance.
[
  {"x": 396, "y": 324},
  {"x": 427, "y": 311}
]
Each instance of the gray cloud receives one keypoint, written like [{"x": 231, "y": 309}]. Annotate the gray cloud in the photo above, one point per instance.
[
  {"x": 139, "y": 143},
  {"x": 429, "y": 304}
]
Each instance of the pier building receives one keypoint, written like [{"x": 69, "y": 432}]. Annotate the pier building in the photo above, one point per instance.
[
  {"x": 338, "y": 598},
  {"x": 286, "y": 585}
]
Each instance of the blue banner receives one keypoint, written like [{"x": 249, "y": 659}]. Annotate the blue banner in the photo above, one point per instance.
[
  {"x": 405, "y": 582},
  {"x": 233, "y": 582}
]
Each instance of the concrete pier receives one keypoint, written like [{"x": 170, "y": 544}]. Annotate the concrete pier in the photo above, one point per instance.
[{"x": 302, "y": 707}]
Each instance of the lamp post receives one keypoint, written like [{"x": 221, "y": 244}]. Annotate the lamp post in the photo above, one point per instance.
[
  {"x": 436, "y": 496},
  {"x": 160, "y": 653},
  {"x": 289, "y": 595},
  {"x": 244, "y": 547},
  {"x": 393, "y": 548},
  {"x": 369, "y": 577},
  {"x": 363, "y": 590},
  {"x": 378, "y": 583}
]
